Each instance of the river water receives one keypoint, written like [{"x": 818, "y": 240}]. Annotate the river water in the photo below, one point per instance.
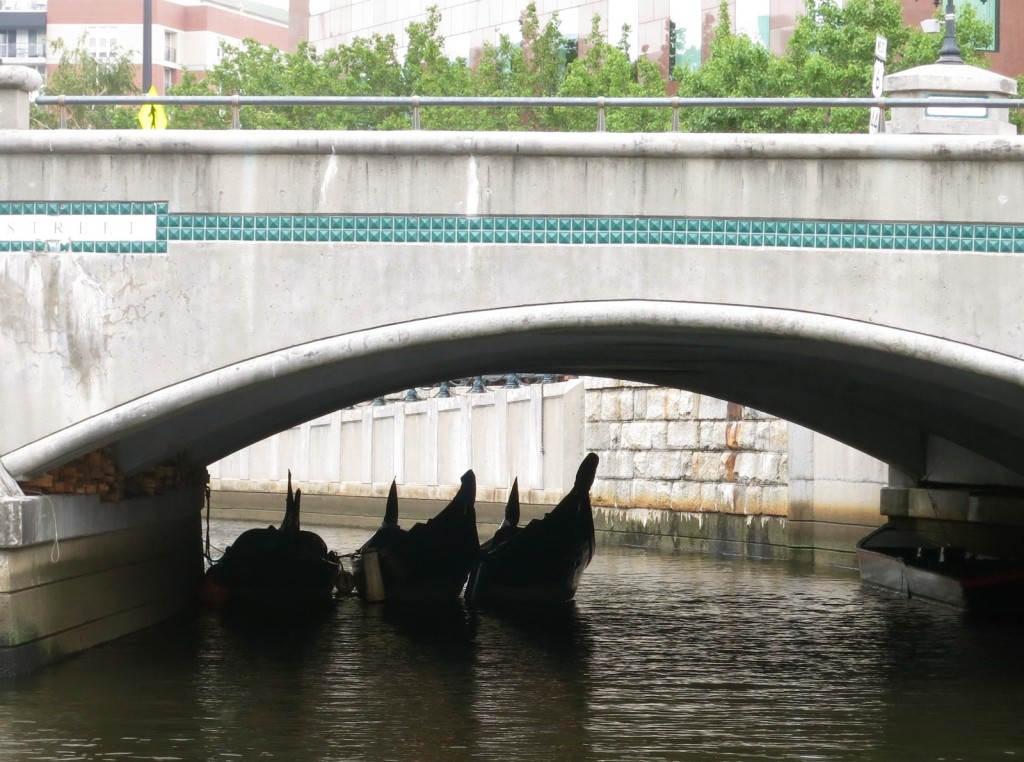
[{"x": 661, "y": 657}]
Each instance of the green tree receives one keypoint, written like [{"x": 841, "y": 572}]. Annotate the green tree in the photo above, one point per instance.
[
  {"x": 79, "y": 72},
  {"x": 736, "y": 67},
  {"x": 831, "y": 54},
  {"x": 606, "y": 70}
]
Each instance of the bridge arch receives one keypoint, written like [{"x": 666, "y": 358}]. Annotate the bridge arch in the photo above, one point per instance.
[{"x": 912, "y": 400}]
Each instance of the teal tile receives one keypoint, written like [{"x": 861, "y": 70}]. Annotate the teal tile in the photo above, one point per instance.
[
  {"x": 461, "y": 223},
  {"x": 503, "y": 236},
  {"x": 820, "y": 228},
  {"x": 744, "y": 239},
  {"x": 1006, "y": 233},
  {"x": 373, "y": 236},
  {"x": 901, "y": 243},
  {"x": 1018, "y": 245},
  {"x": 874, "y": 229},
  {"x": 731, "y": 239},
  {"x": 993, "y": 231},
  {"x": 745, "y": 226},
  {"x": 821, "y": 241},
  {"x": 475, "y": 224},
  {"x": 590, "y": 224},
  {"x": 954, "y": 231},
  {"x": 605, "y": 237},
  {"x": 888, "y": 229},
  {"x": 235, "y": 234},
  {"x": 604, "y": 224},
  {"x": 577, "y": 224},
  {"x": 902, "y": 230},
  {"x": 992, "y": 244},
  {"x": 654, "y": 225},
  {"x": 771, "y": 226},
  {"x": 848, "y": 241},
  {"x": 704, "y": 239},
  {"x": 704, "y": 226},
  {"x": 1018, "y": 233},
  {"x": 888, "y": 242},
  {"x": 5, "y": 207},
  {"x": 874, "y": 241},
  {"x": 617, "y": 224},
  {"x": 692, "y": 239},
  {"x": 732, "y": 226},
  {"x": 506, "y": 223},
  {"x": 718, "y": 226}
]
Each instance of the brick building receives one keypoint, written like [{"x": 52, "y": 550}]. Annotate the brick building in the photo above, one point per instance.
[{"x": 668, "y": 31}]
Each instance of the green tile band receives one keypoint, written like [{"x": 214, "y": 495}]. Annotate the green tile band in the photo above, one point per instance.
[{"x": 521, "y": 230}]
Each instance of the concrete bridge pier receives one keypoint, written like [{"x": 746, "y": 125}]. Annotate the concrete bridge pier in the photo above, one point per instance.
[{"x": 75, "y": 572}]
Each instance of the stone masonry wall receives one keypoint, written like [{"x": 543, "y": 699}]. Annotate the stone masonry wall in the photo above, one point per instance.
[{"x": 670, "y": 449}]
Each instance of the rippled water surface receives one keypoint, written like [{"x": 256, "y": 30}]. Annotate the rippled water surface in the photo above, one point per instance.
[{"x": 661, "y": 657}]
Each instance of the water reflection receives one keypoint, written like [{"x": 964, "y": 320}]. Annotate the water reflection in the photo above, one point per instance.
[{"x": 681, "y": 657}]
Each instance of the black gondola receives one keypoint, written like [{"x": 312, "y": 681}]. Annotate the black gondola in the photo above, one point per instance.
[
  {"x": 273, "y": 570},
  {"x": 543, "y": 561},
  {"x": 916, "y": 567},
  {"x": 428, "y": 562}
]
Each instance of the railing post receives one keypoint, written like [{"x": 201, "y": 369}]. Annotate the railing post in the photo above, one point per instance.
[
  {"x": 415, "y": 112},
  {"x": 236, "y": 113},
  {"x": 16, "y": 82},
  {"x": 675, "y": 113},
  {"x": 600, "y": 114}
]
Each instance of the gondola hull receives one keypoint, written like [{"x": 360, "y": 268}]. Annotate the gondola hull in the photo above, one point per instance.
[
  {"x": 916, "y": 567},
  {"x": 274, "y": 571},
  {"x": 543, "y": 561},
  {"x": 428, "y": 562}
]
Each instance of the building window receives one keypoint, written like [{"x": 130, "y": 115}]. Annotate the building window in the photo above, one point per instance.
[
  {"x": 171, "y": 47},
  {"x": 681, "y": 54},
  {"x": 568, "y": 51},
  {"x": 101, "y": 42},
  {"x": 987, "y": 11},
  {"x": 168, "y": 79}
]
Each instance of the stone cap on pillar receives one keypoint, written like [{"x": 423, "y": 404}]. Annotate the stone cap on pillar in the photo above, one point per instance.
[
  {"x": 950, "y": 81},
  {"x": 20, "y": 78},
  {"x": 16, "y": 82}
]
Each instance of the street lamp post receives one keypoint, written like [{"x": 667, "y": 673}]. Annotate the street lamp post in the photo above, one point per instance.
[
  {"x": 949, "y": 53},
  {"x": 147, "y": 45}
]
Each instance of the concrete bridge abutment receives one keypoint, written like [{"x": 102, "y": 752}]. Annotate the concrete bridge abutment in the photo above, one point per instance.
[{"x": 75, "y": 572}]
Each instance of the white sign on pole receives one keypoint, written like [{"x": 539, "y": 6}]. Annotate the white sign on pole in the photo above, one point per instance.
[
  {"x": 877, "y": 78},
  {"x": 881, "y": 47},
  {"x": 877, "y": 123}
]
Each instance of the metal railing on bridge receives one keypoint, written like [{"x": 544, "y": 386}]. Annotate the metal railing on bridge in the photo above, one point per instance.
[{"x": 415, "y": 104}]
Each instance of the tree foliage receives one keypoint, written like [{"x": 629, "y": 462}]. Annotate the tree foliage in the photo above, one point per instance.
[
  {"x": 830, "y": 54},
  {"x": 79, "y": 72}
]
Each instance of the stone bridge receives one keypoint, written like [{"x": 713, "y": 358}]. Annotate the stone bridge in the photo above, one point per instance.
[{"x": 175, "y": 293}]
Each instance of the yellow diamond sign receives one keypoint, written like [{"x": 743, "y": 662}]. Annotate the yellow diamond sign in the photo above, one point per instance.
[{"x": 152, "y": 116}]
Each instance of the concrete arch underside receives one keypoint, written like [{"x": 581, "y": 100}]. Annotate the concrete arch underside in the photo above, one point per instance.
[{"x": 917, "y": 402}]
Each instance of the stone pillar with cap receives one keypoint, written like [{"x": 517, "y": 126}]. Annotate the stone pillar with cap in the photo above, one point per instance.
[
  {"x": 950, "y": 80},
  {"x": 16, "y": 83}
]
